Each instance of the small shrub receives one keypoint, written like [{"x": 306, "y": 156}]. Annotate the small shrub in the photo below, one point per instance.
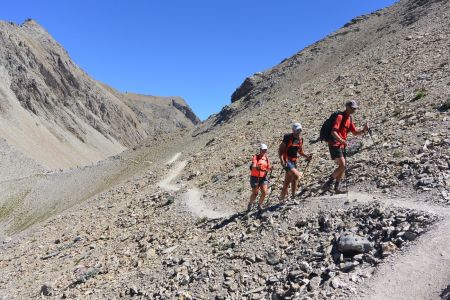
[
  {"x": 398, "y": 153},
  {"x": 419, "y": 95},
  {"x": 201, "y": 221}
]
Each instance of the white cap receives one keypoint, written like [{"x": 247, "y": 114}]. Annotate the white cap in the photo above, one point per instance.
[
  {"x": 296, "y": 126},
  {"x": 352, "y": 104},
  {"x": 263, "y": 147}
]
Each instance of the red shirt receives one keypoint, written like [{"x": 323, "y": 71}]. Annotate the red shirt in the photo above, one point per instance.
[{"x": 342, "y": 125}]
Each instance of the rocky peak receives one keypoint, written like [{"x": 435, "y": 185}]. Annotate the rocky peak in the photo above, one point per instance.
[{"x": 186, "y": 110}]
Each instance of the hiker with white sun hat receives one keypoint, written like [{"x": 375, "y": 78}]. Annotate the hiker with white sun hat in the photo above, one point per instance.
[
  {"x": 289, "y": 151},
  {"x": 259, "y": 178}
]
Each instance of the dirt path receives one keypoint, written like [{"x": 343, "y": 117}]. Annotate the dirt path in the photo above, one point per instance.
[
  {"x": 192, "y": 198},
  {"x": 167, "y": 183},
  {"x": 420, "y": 272},
  {"x": 173, "y": 159}
]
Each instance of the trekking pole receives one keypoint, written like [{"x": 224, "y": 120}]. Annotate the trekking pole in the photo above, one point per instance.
[
  {"x": 346, "y": 171},
  {"x": 304, "y": 172},
  {"x": 376, "y": 147}
]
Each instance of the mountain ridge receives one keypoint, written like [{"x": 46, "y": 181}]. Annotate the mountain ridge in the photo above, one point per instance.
[{"x": 79, "y": 119}]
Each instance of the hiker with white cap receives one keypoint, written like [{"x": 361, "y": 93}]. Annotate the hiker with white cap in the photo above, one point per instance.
[
  {"x": 289, "y": 151},
  {"x": 340, "y": 124},
  {"x": 259, "y": 179}
]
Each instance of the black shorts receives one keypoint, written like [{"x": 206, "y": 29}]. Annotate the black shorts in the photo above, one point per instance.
[
  {"x": 258, "y": 181},
  {"x": 337, "y": 152}
]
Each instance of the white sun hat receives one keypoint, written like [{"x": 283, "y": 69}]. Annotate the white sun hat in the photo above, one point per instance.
[{"x": 297, "y": 127}]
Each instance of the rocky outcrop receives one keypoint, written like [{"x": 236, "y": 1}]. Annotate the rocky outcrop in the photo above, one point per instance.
[
  {"x": 160, "y": 114},
  {"x": 186, "y": 110},
  {"x": 248, "y": 87}
]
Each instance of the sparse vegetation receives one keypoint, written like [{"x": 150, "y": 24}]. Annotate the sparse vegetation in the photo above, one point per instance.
[
  {"x": 200, "y": 221},
  {"x": 398, "y": 153},
  {"x": 419, "y": 95},
  {"x": 13, "y": 202}
]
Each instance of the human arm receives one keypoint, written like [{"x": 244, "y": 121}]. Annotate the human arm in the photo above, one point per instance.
[
  {"x": 338, "y": 138},
  {"x": 356, "y": 131},
  {"x": 281, "y": 151},
  {"x": 269, "y": 165},
  {"x": 254, "y": 162},
  {"x": 301, "y": 151},
  {"x": 336, "y": 129},
  {"x": 362, "y": 131}
]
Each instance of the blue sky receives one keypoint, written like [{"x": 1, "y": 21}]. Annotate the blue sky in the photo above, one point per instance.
[{"x": 201, "y": 50}]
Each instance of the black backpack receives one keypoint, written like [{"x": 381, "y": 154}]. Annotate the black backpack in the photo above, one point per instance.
[{"x": 325, "y": 130}]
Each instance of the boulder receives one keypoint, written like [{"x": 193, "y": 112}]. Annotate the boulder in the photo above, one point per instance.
[{"x": 350, "y": 243}]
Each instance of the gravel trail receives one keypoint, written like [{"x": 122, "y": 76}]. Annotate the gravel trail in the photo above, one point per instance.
[
  {"x": 420, "y": 272},
  {"x": 192, "y": 198}
]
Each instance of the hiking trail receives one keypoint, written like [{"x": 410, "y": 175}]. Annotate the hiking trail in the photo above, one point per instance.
[
  {"x": 192, "y": 197},
  {"x": 421, "y": 271}
]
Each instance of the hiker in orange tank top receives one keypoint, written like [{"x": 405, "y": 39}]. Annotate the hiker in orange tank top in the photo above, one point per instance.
[
  {"x": 259, "y": 179},
  {"x": 290, "y": 149}
]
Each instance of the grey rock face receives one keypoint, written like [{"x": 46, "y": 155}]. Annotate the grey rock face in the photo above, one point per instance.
[{"x": 247, "y": 87}]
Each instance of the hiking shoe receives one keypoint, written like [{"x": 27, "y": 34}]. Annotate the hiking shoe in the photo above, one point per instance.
[
  {"x": 339, "y": 191},
  {"x": 249, "y": 207},
  {"x": 326, "y": 186}
]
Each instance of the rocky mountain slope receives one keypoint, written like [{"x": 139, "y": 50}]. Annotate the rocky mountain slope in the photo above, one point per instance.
[
  {"x": 159, "y": 234},
  {"x": 54, "y": 113},
  {"x": 394, "y": 62}
]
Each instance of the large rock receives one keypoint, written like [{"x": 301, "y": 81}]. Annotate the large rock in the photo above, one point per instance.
[{"x": 350, "y": 243}]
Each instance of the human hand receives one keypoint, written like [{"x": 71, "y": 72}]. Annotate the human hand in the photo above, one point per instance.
[{"x": 366, "y": 127}]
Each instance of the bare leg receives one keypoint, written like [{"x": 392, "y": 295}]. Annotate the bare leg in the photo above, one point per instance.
[
  {"x": 284, "y": 191},
  {"x": 264, "y": 190},
  {"x": 338, "y": 174},
  {"x": 255, "y": 191},
  {"x": 296, "y": 175}
]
